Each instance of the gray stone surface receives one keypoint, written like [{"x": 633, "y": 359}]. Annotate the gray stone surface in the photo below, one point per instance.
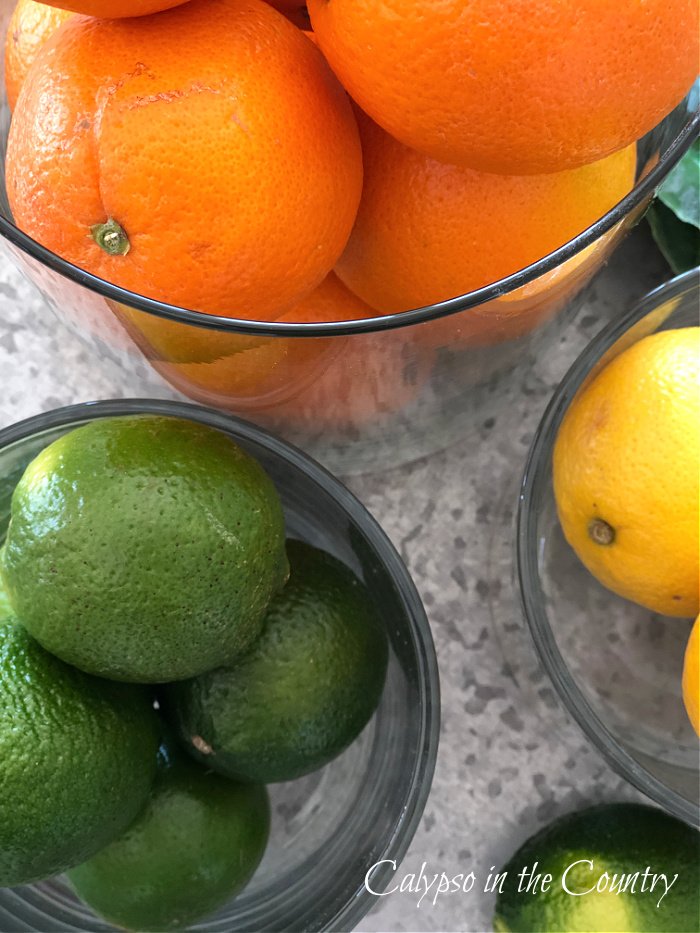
[{"x": 509, "y": 759}]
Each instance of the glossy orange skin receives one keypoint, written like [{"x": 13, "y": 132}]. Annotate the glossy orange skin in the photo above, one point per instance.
[
  {"x": 236, "y": 186},
  {"x": 30, "y": 26},
  {"x": 426, "y": 231},
  {"x": 512, "y": 86},
  {"x": 116, "y": 9}
]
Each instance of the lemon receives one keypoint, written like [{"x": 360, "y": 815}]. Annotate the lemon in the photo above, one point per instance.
[
  {"x": 691, "y": 676},
  {"x": 626, "y": 468}
]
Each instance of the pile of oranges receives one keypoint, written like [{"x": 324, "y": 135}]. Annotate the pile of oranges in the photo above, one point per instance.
[{"x": 228, "y": 156}]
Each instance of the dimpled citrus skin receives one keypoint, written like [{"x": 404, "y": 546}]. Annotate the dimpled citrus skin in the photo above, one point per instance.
[
  {"x": 426, "y": 231},
  {"x": 214, "y": 134},
  {"x": 192, "y": 848},
  {"x": 303, "y": 692},
  {"x": 512, "y": 86},
  {"x": 77, "y": 759},
  {"x": 109, "y": 9},
  {"x": 691, "y": 676},
  {"x": 144, "y": 548},
  {"x": 628, "y": 453},
  {"x": 31, "y": 24}
]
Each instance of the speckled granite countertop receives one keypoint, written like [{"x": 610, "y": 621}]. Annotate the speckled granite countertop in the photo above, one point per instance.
[{"x": 509, "y": 759}]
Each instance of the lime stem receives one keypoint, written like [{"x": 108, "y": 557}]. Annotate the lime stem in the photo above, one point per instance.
[
  {"x": 111, "y": 237},
  {"x": 600, "y": 532}
]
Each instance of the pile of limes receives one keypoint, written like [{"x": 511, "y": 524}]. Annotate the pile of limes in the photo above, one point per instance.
[{"x": 154, "y": 615}]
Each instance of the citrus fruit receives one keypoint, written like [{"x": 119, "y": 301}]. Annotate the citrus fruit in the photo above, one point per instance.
[
  {"x": 108, "y": 9},
  {"x": 426, "y": 231},
  {"x": 691, "y": 676},
  {"x": 176, "y": 342},
  {"x": 194, "y": 846},
  {"x": 31, "y": 24},
  {"x": 625, "y": 470},
  {"x": 316, "y": 383},
  {"x": 267, "y": 371},
  {"x": 144, "y": 548},
  {"x": 522, "y": 311},
  {"x": 607, "y": 846},
  {"x": 234, "y": 369},
  {"x": 175, "y": 156},
  {"x": 303, "y": 692},
  {"x": 77, "y": 758},
  {"x": 510, "y": 88}
]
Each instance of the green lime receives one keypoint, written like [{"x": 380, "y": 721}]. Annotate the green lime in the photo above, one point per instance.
[
  {"x": 194, "y": 846},
  {"x": 77, "y": 759},
  {"x": 614, "y": 868},
  {"x": 303, "y": 692},
  {"x": 144, "y": 548}
]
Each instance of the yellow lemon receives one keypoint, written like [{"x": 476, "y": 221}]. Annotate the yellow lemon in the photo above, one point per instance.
[
  {"x": 691, "y": 676},
  {"x": 626, "y": 473}
]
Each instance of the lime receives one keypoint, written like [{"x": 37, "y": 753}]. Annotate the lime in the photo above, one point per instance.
[
  {"x": 303, "y": 692},
  {"x": 144, "y": 548},
  {"x": 614, "y": 868},
  {"x": 194, "y": 846},
  {"x": 77, "y": 759}
]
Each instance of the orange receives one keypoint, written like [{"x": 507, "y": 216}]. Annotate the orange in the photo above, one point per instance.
[
  {"x": 508, "y": 86},
  {"x": 523, "y": 310},
  {"x": 175, "y": 156},
  {"x": 31, "y": 24},
  {"x": 236, "y": 370},
  {"x": 109, "y": 9},
  {"x": 626, "y": 469},
  {"x": 691, "y": 676},
  {"x": 309, "y": 383},
  {"x": 427, "y": 231}
]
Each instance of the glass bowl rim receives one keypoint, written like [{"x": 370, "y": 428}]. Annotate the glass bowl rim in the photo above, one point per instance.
[
  {"x": 409, "y": 814},
  {"x": 532, "y": 599},
  {"x": 644, "y": 188}
]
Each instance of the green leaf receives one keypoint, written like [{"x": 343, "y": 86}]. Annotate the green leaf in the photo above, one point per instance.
[
  {"x": 681, "y": 190},
  {"x": 678, "y": 241}
]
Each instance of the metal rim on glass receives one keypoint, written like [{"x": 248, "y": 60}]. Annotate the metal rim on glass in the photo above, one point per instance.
[
  {"x": 423, "y": 765},
  {"x": 534, "y": 484},
  {"x": 643, "y": 189}
]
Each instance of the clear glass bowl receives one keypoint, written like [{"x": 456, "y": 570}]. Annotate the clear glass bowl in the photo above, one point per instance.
[
  {"x": 616, "y": 666},
  {"x": 357, "y": 395},
  {"x": 331, "y": 827}
]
